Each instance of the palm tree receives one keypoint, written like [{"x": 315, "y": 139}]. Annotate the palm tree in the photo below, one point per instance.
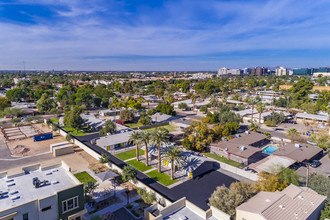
[
  {"x": 193, "y": 100},
  {"x": 292, "y": 133},
  {"x": 168, "y": 97},
  {"x": 252, "y": 102},
  {"x": 175, "y": 156},
  {"x": 136, "y": 138},
  {"x": 260, "y": 108},
  {"x": 145, "y": 138},
  {"x": 158, "y": 137},
  {"x": 253, "y": 127}
]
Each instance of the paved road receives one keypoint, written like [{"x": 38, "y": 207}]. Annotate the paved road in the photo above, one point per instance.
[
  {"x": 197, "y": 190},
  {"x": 4, "y": 151},
  {"x": 6, "y": 164}
]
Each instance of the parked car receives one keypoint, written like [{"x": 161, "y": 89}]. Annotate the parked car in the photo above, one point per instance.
[{"x": 315, "y": 163}]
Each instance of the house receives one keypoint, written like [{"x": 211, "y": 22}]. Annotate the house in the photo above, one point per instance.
[
  {"x": 113, "y": 141},
  {"x": 109, "y": 112},
  {"x": 92, "y": 121},
  {"x": 199, "y": 103},
  {"x": 293, "y": 202},
  {"x": 244, "y": 148},
  {"x": 161, "y": 118},
  {"x": 41, "y": 193},
  {"x": 298, "y": 152},
  {"x": 312, "y": 118},
  {"x": 152, "y": 99},
  {"x": 181, "y": 123},
  {"x": 183, "y": 209}
]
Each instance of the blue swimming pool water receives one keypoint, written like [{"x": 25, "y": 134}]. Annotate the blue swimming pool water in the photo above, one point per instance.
[{"x": 269, "y": 149}]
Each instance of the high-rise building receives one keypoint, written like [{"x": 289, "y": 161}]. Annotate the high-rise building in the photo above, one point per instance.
[
  {"x": 302, "y": 71},
  {"x": 281, "y": 71},
  {"x": 223, "y": 71}
]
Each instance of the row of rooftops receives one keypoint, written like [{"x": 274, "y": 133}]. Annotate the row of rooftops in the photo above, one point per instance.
[{"x": 291, "y": 203}]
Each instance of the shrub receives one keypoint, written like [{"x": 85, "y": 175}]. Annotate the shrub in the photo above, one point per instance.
[
  {"x": 203, "y": 109},
  {"x": 147, "y": 197},
  {"x": 270, "y": 123}
]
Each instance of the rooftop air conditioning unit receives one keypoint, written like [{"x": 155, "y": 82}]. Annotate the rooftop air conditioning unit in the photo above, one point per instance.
[
  {"x": 243, "y": 148},
  {"x": 247, "y": 132},
  {"x": 297, "y": 145},
  {"x": 237, "y": 135}
]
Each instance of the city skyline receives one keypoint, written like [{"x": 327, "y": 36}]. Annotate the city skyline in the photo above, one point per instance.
[{"x": 162, "y": 35}]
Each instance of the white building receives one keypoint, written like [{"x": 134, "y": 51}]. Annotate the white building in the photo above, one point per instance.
[
  {"x": 281, "y": 71},
  {"x": 50, "y": 193},
  {"x": 222, "y": 71}
]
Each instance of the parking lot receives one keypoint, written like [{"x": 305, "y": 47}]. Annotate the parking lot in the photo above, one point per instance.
[{"x": 324, "y": 168}]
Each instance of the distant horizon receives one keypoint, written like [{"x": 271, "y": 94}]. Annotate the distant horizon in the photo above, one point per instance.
[{"x": 167, "y": 35}]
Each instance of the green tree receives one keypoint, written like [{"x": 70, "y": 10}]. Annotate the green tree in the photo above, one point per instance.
[
  {"x": 45, "y": 103},
  {"x": 147, "y": 197},
  {"x": 193, "y": 98},
  {"x": 90, "y": 187},
  {"x": 129, "y": 173},
  {"x": 183, "y": 106},
  {"x": 104, "y": 158},
  {"x": 158, "y": 137},
  {"x": 145, "y": 138},
  {"x": 145, "y": 120},
  {"x": 290, "y": 176},
  {"x": 136, "y": 138},
  {"x": 269, "y": 182},
  {"x": 16, "y": 94},
  {"x": 252, "y": 102},
  {"x": 109, "y": 127},
  {"x": 322, "y": 139},
  {"x": 260, "y": 108},
  {"x": 325, "y": 213},
  {"x": 292, "y": 133},
  {"x": 175, "y": 156},
  {"x": 126, "y": 115},
  {"x": 13, "y": 112},
  {"x": 227, "y": 199},
  {"x": 73, "y": 119},
  {"x": 203, "y": 109},
  {"x": 69, "y": 137},
  {"x": 4, "y": 103},
  {"x": 166, "y": 109},
  {"x": 320, "y": 184}
]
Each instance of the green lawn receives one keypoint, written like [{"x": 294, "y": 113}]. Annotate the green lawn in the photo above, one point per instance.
[
  {"x": 139, "y": 165},
  {"x": 128, "y": 154},
  {"x": 84, "y": 177},
  {"x": 168, "y": 127},
  {"x": 224, "y": 160},
  {"x": 163, "y": 178},
  {"x": 78, "y": 133},
  {"x": 55, "y": 120},
  {"x": 134, "y": 125}
]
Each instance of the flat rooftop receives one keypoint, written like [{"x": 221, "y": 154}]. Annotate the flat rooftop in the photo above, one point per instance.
[
  {"x": 183, "y": 213},
  {"x": 19, "y": 189}
]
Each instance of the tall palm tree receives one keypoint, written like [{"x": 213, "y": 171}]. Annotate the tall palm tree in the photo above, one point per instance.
[
  {"x": 168, "y": 97},
  {"x": 252, "y": 102},
  {"x": 260, "y": 108},
  {"x": 193, "y": 100},
  {"x": 136, "y": 138},
  {"x": 158, "y": 137},
  {"x": 145, "y": 138},
  {"x": 292, "y": 133},
  {"x": 175, "y": 156}
]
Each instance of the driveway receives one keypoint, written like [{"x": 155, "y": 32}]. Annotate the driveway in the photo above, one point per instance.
[{"x": 324, "y": 168}]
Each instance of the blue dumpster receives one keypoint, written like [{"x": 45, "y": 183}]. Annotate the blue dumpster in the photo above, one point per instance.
[{"x": 42, "y": 137}]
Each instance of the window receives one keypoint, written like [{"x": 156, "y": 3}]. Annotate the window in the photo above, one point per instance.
[
  {"x": 26, "y": 216},
  {"x": 78, "y": 218},
  {"x": 46, "y": 208},
  {"x": 70, "y": 204}
]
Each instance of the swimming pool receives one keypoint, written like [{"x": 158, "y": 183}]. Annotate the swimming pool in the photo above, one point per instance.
[{"x": 269, "y": 149}]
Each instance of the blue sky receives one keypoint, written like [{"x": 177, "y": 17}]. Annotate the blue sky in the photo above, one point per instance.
[{"x": 170, "y": 35}]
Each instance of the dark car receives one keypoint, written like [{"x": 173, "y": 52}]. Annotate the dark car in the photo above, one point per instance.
[{"x": 315, "y": 163}]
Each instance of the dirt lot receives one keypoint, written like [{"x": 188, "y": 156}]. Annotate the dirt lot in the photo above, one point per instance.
[
  {"x": 94, "y": 164},
  {"x": 27, "y": 147}
]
